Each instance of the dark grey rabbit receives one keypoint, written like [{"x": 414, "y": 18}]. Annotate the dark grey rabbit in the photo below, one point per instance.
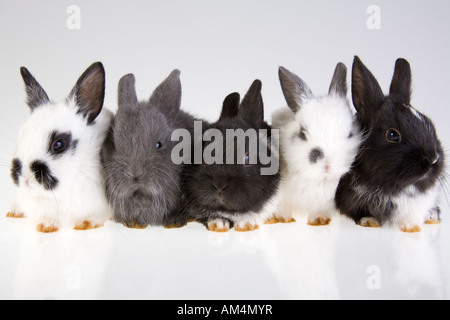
[
  {"x": 225, "y": 195},
  {"x": 396, "y": 177},
  {"x": 142, "y": 181}
]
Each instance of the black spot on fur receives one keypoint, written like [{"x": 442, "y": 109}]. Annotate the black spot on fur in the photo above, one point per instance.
[
  {"x": 16, "y": 170},
  {"x": 43, "y": 175},
  {"x": 315, "y": 155}
]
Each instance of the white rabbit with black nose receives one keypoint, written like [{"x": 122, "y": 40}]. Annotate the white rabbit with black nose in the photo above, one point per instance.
[
  {"x": 56, "y": 166},
  {"x": 319, "y": 140}
]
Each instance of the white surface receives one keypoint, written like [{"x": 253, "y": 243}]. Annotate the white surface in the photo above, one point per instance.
[
  {"x": 220, "y": 47},
  {"x": 283, "y": 261}
]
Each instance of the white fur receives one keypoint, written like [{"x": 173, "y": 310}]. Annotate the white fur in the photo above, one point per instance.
[
  {"x": 79, "y": 195},
  {"x": 309, "y": 188},
  {"x": 413, "y": 208}
]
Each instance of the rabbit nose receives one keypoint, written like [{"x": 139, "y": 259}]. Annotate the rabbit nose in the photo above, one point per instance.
[
  {"x": 436, "y": 159},
  {"x": 429, "y": 161},
  {"x": 220, "y": 183}
]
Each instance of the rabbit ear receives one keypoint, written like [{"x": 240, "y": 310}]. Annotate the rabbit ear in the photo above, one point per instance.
[
  {"x": 36, "y": 95},
  {"x": 230, "y": 106},
  {"x": 167, "y": 96},
  {"x": 251, "y": 109},
  {"x": 89, "y": 92},
  {"x": 338, "y": 84},
  {"x": 295, "y": 90},
  {"x": 366, "y": 92},
  {"x": 127, "y": 91},
  {"x": 401, "y": 82}
]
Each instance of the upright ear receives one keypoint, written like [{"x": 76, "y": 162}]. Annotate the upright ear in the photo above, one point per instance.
[
  {"x": 338, "y": 84},
  {"x": 89, "y": 92},
  {"x": 251, "y": 109},
  {"x": 127, "y": 91},
  {"x": 167, "y": 96},
  {"x": 36, "y": 95},
  {"x": 401, "y": 82},
  {"x": 366, "y": 92},
  {"x": 295, "y": 90},
  {"x": 230, "y": 106}
]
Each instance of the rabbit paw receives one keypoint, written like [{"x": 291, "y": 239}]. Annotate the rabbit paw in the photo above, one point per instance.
[
  {"x": 319, "y": 221},
  {"x": 432, "y": 221},
  {"x": 275, "y": 220},
  {"x": 15, "y": 215},
  {"x": 46, "y": 228},
  {"x": 410, "y": 228},
  {"x": 174, "y": 226},
  {"x": 369, "y": 222},
  {"x": 219, "y": 225},
  {"x": 87, "y": 225},
  {"x": 134, "y": 225},
  {"x": 247, "y": 227},
  {"x": 433, "y": 217}
]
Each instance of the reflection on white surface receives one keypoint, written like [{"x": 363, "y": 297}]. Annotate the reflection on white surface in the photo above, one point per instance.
[{"x": 283, "y": 261}]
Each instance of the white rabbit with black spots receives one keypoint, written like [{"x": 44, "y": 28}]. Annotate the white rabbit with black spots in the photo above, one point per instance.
[
  {"x": 319, "y": 140},
  {"x": 56, "y": 166}
]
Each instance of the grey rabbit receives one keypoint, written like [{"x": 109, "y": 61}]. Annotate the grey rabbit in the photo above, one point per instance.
[{"x": 142, "y": 181}]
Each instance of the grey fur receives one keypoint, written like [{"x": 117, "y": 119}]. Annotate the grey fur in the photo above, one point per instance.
[
  {"x": 89, "y": 92},
  {"x": 339, "y": 82},
  {"x": 36, "y": 95},
  {"x": 295, "y": 90},
  {"x": 142, "y": 182}
]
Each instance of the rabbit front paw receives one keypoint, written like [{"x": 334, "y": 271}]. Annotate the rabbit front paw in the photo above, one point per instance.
[{"x": 219, "y": 225}]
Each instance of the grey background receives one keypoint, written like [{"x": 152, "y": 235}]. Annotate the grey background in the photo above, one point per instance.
[{"x": 220, "y": 47}]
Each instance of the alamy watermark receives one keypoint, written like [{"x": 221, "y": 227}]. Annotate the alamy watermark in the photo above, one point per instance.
[
  {"x": 73, "y": 21},
  {"x": 374, "y": 280},
  {"x": 374, "y": 20},
  {"x": 241, "y": 147}
]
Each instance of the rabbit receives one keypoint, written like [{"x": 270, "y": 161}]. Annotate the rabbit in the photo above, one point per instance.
[
  {"x": 228, "y": 194},
  {"x": 319, "y": 139},
  {"x": 56, "y": 167},
  {"x": 142, "y": 181},
  {"x": 396, "y": 178}
]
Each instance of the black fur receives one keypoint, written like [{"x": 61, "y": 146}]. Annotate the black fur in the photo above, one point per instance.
[
  {"x": 315, "y": 155},
  {"x": 234, "y": 189},
  {"x": 384, "y": 169},
  {"x": 43, "y": 175},
  {"x": 16, "y": 170}
]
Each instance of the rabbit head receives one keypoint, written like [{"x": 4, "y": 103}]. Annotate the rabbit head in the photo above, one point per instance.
[
  {"x": 320, "y": 139},
  {"x": 58, "y": 138},
  {"x": 401, "y": 147}
]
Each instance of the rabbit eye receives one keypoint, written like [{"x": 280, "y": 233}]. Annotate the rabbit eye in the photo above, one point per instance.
[
  {"x": 302, "y": 134},
  {"x": 59, "y": 146},
  {"x": 393, "y": 136},
  {"x": 59, "y": 143},
  {"x": 158, "y": 145}
]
